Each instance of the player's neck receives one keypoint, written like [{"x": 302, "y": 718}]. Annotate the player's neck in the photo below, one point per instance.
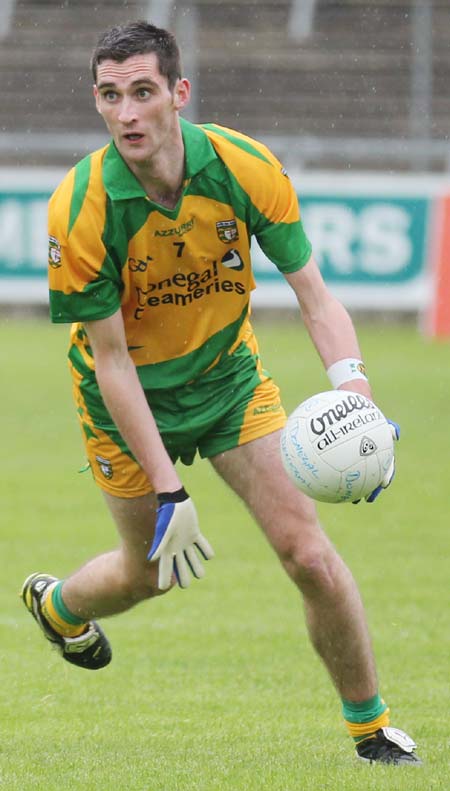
[{"x": 163, "y": 176}]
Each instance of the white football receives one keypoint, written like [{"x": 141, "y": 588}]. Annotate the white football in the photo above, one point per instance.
[{"x": 337, "y": 446}]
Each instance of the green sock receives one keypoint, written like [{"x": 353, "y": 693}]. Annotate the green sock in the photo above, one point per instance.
[
  {"x": 61, "y": 608},
  {"x": 365, "y": 717}
]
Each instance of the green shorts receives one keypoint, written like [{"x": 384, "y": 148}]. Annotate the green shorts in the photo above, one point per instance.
[{"x": 234, "y": 402}]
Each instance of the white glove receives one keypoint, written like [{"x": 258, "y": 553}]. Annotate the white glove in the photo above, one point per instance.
[
  {"x": 390, "y": 473},
  {"x": 178, "y": 540}
]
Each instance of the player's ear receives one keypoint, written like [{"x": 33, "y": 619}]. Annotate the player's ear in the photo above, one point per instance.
[
  {"x": 181, "y": 93},
  {"x": 96, "y": 97}
]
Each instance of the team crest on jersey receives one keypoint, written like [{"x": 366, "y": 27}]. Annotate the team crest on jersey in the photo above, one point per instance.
[
  {"x": 227, "y": 231},
  {"x": 105, "y": 467},
  {"x": 54, "y": 252}
]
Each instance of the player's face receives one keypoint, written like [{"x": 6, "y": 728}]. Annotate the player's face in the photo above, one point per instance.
[{"x": 138, "y": 107}]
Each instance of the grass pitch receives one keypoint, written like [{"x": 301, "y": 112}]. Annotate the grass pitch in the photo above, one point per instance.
[{"x": 216, "y": 688}]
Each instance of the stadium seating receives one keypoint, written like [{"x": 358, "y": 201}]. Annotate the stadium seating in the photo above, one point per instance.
[{"x": 351, "y": 77}]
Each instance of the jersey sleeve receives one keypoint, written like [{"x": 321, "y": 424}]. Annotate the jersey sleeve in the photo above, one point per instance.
[
  {"x": 272, "y": 207},
  {"x": 84, "y": 281},
  {"x": 275, "y": 218}
]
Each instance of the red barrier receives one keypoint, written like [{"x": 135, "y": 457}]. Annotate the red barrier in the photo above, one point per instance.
[{"x": 437, "y": 321}]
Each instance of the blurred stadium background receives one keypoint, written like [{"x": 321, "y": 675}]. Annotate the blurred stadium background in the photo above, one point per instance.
[{"x": 351, "y": 95}]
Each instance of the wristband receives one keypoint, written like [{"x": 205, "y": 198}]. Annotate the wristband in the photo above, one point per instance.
[
  {"x": 179, "y": 496},
  {"x": 346, "y": 370}
]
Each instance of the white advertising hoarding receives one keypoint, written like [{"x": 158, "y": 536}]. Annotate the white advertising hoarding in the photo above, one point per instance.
[{"x": 372, "y": 236}]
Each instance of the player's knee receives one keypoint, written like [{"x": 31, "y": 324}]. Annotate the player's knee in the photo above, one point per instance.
[
  {"x": 149, "y": 590},
  {"x": 142, "y": 585},
  {"x": 313, "y": 566}
]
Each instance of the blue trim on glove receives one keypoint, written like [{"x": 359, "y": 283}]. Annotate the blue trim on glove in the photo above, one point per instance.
[
  {"x": 376, "y": 492},
  {"x": 396, "y": 428},
  {"x": 163, "y": 516}
]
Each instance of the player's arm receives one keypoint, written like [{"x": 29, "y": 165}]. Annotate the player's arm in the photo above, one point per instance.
[
  {"x": 333, "y": 334},
  {"x": 328, "y": 323},
  {"x": 125, "y": 400},
  {"x": 177, "y": 535}
]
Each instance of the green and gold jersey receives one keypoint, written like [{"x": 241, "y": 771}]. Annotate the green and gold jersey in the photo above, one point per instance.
[{"x": 182, "y": 277}]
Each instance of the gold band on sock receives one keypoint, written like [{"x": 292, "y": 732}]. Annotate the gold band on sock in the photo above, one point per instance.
[
  {"x": 359, "y": 729},
  {"x": 56, "y": 622}
]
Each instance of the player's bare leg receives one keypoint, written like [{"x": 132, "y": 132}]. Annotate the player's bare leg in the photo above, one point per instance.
[
  {"x": 65, "y": 609},
  {"x": 115, "y": 581},
  {"x": 334, "y": 611}
]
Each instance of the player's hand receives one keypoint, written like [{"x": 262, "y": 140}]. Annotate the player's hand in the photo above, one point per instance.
[
  {"x": 390, "y": 473},
  {"x": 178, "y": 542}
]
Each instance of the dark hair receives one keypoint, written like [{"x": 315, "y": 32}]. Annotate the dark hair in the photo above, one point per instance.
[{"x": 137, "y": 38}]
